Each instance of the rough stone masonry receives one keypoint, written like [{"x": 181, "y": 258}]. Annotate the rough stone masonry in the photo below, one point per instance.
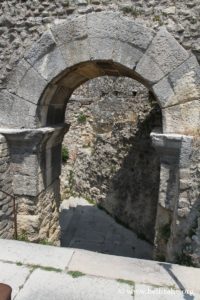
[{"x": 167, "y": 69}]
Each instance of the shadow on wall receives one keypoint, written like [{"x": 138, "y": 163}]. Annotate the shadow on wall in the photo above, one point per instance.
[
  {"x": 87, "y": 227},
  {"x": 130, "y": 193}
]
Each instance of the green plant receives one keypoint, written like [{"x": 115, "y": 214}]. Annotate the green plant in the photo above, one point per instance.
[
  {"x": 45, "y": 242},
  {"x": 158, "y": 19},
  {"x": 89, "y": 200},
  {"x": 49, "y": 269},
  {"x": 81, "y": 118},
  {"x": 184, "y": 260},
  {"x": 23, "y": 236},
  {"x": 129, "y": 282},
  {"x": 76, "y": 274},
  {"x": 130, "y": 10},
  {"x": 65, "y": 154}
]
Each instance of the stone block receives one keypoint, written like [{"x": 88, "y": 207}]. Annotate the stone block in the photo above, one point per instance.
[
  {"x": 76, "y": 52},
  {"x": 35, "y": 254},
  {"x": 102, "y": 48},
  {"x": 103, "y": 25},
  {"x": 13, "y": 275},
  {"x": 17, "y": 75},
  {"x": 25, "y": 185},
  {"x": 26, "y": 164},
  {"x": 51, "y": 285},
  {"x": 2, "y": 137},
  {"x": 163, "y": 92},
  {"x": 163, "y": 56},
  {"x": 185, "y": 152},
  {"x": 31, "y": 86},
  {"x": 4, "y": 167},
  {"x": 191, "y": 65},
  {"x": 126, "y": 54},
  {"x": 134, "y": 33},
  {"x": 28, "y": 223},
  {"x": 39, "y": 49},
  {"x": 66, "y": 32},
  {"x": 72, "y": 80},
  {"x": 149, "y": 70},
  {"x": 50, "y": 65},
  {"x": 15, "y": 111},
  {"x": 183, "y": 118},
  {"x": 180, "y": 86}
]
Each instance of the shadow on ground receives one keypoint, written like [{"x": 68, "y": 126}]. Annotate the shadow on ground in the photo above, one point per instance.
[{"x": 85, "y": 226}]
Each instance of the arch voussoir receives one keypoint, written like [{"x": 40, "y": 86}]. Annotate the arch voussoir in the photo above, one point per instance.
[
  {"x": 26, "y": 82},
  {"x": 181, "y": 85},
  {"x": 45, "y": 57},
  {"x": 163, "y": 55}
]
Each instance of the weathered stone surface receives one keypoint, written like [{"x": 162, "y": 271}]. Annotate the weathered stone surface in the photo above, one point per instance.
[
  {"x": 163, "y": 92},
  {"x": 134, "y": 33},
  {"x": 103, "y": 25},
  {"x": 181, "y": 85},
  {"x": 39, "y": 49},
  {"x": 31, "y": 86},
  {"x": 182, "y": 118},
  {"x": 32, "y": 254},
  {"x": 13, "y": 275},
  {"x": 11, "y": 105},
  {"x": 65, "y": 31},
  {"x": 126, "y": 54},
  {"x": 73, "y": 52},
  {"x": 164, "y": 55},
  {"x": 42, "y": 284},
  {"x": 102, "y": 47},
  {"x": 17, "y": 75},
  {"x": 51, "y": 64},
  {"x": 6, "y": 202}
]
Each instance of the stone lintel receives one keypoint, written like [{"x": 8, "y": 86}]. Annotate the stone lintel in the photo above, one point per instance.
[
  {"x": 176, "y": 147},
  {"x": 33, "y": 138}
]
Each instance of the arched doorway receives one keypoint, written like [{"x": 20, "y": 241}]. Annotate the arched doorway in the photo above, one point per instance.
[{"x": 69, "y": 54}]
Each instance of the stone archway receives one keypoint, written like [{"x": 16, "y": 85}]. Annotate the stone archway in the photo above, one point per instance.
[{"x": 36, "y": 94}]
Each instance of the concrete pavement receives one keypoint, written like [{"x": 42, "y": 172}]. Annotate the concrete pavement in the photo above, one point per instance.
[
  {"x": 51, "y": 273},
  {"x": 85, "y": 226}
]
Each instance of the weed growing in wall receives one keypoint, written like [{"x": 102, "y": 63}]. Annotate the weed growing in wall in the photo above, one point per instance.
[
  {"x": 82, "y": 118},
  {"x": 65, "y": 154}
]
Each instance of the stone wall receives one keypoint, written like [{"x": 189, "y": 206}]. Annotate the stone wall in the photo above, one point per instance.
[
  {"x": 111, "y": 159},
  {"x": 38, "y": 217},
  {"x": 6, "y": 202},
  {"x": 189, "y": 211},
  {"x": 22, "y": 22}
]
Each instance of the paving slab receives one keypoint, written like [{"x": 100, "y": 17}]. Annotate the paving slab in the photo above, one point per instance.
[
  {"x": 137, "y": 270},
  {"x": 44, "y": 285},
  {"x": 110, "y": 266},
  {"x": 185, "y": 277},
  {"x": 34, "y": 254},
  {"x": 146, "y": 292},
  {"x": 13, "y": 275}
]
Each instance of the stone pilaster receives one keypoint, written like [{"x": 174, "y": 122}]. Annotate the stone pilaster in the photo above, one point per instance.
[
  {"x": 35, "y": 168},
  {"x": 6, "y": 201},
  {"x": 174, "y": 151}
]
